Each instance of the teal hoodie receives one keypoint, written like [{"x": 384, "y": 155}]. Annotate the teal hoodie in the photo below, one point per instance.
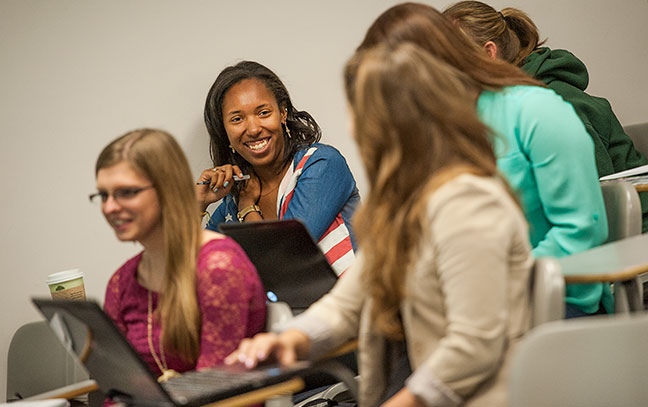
[{"x": 561, "y": 71}]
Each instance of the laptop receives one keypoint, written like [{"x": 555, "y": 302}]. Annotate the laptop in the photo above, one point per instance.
[
  {"x": 124, "y": 377},
  {"x": 292, "y": 267}
]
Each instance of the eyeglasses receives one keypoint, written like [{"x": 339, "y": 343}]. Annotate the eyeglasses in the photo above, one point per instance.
[{"x": 120, "y": 195}]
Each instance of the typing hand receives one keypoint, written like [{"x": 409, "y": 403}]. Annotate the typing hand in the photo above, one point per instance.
[{"x": 286, "y": 348}]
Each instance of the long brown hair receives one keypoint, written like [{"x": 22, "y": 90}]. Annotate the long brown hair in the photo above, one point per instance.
[
  {"x": 426, "y": 27},
  {"x": 157, "y": 156},
  {"x": 512, "y": 30},
  {"x": 416, "y": 128}
]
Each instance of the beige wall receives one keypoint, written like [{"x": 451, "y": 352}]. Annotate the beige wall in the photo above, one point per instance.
[{"x": 76, "y": 74}]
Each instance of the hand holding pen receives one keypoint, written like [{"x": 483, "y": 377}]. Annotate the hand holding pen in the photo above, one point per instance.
[
  {"x": 236, "y": 178},
  {"x": 214, "y": 183}
]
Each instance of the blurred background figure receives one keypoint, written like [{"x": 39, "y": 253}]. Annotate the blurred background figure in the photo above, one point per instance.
[{"x": 512, "y": 36}]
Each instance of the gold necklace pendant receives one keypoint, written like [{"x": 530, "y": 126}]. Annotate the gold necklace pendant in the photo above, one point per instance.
[
  {"x": 162, "y": 365},
  {"x": 167, "y": 374}
]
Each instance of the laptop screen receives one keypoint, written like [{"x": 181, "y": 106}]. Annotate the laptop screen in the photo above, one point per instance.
[
  {"x": 102, "y": 349},
  {"x": 123, "y": 376},
  {"x": 292, "y": 267}
]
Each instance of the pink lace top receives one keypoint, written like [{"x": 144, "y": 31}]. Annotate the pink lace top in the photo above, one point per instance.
[{"x": 230, "y": 297}]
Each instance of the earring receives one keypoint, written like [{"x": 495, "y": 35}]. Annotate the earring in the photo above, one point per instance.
[
  {"x": 287, "y": 131},
  {"x": 233, "y": 151}
]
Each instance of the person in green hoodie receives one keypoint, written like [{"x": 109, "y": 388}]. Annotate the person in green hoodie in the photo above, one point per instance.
[{"x": 512, "y": 36}]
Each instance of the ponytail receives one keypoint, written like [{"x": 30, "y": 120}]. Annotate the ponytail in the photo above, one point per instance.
[
  {"x": 514, "y": 33},
  {"x": 525, "y": 30}
]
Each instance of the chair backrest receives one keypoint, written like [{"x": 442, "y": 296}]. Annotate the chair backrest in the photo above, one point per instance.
[
  {"x": 639, "y": 135},
  {"x": 595, "y": 361},
  {"x": 276, "y": 314},
  {"x": 623, "y": 210},
  {"x": 547, "y": 291},
  {"x": 37, "y": 362}
]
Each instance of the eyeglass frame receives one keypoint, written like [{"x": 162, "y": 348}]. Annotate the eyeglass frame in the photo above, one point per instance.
[{"x": 119, "y": 195}]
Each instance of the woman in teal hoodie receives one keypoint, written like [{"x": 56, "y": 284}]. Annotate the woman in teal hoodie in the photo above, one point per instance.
[
  {"x": 512, "y": 36},
  {"x": 536, "y": 135}
]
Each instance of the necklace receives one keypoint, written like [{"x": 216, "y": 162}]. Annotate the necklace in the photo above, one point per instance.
[
  {"x": 280, "y": 175},
  {"x": 162, "y": 365},
  {"x": 271, "y": 190},
  {"x": 262, "y": 195}
]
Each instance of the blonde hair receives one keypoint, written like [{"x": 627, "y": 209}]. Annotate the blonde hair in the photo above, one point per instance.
[
  {"x": 157, "y": 156},
  {"x": 512, "y": 30},
  {"x": 416, "y": 127}
]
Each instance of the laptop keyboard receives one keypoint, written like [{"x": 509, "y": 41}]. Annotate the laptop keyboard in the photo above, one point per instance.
[{"x": 205, "y": 383}]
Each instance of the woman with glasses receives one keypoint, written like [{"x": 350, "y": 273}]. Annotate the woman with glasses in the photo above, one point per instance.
[{"x": 191, "y": 295}]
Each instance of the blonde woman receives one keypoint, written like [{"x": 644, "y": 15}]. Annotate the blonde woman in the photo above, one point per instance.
[
  {"x": 190, "y": 296},
  {"x": 438, "y": 296}
]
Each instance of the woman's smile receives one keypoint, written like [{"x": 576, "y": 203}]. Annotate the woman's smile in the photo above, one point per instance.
[
  {"x": 254, "y": 123},
  {"x": 258, "y": 146}
]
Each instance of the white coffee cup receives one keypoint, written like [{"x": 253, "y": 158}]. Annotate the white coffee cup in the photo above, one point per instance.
[{"x": 67, "y": 285}]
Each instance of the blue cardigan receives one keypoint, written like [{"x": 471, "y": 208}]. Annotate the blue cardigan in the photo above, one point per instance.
[{"x": 324, "y": 189}]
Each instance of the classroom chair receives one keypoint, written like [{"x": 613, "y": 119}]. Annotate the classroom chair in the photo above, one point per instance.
[
  {"x": 39, "y": 366},
  {"x": 623, "y": 210},
  {"x": 547, "y": 291},
  {"x": 276, "y": 314},
  {"x": 639, "y": 135},
  {"x": 586, "y": 362}
]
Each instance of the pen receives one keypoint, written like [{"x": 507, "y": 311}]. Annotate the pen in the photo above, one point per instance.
[{"x": 236, "y": 178}]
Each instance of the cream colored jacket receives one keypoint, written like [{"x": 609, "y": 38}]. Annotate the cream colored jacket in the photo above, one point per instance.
[{"x": 466, "y": 307}]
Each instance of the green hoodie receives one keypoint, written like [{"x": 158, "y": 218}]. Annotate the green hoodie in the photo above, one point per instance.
[{"x": 561, "y": 71}]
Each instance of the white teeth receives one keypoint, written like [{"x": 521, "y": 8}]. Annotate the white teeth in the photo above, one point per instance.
[{"x": 258, "y": 145}]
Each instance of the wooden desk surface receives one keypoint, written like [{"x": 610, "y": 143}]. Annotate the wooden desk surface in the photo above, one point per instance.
[
  {"x": 617, "y": 261},
  {"x": 259, "y": 396}
]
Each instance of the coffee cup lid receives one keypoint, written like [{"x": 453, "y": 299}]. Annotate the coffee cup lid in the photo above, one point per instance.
[{"x": 66, "y": 275}]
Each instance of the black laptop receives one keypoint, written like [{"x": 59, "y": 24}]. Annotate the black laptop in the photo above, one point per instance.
[
  {"x": 292, "y": 267},
  {"x": 124, "y": 377}
]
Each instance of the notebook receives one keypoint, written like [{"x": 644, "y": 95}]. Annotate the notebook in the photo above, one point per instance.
[
  {"x": 124, "y": 377},
  {"x": 292, "y": 267}
]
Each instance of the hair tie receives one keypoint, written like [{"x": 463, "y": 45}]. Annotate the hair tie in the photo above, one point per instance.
[{"x": 503, "y": 18}]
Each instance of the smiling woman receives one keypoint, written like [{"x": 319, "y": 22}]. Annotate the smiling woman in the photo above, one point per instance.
[
  {"x": 169, "y": 300},
  {"x": 255, "y": 130},
  {"x": 132, "y": 213},
  {"x": 254, "y": 125}
]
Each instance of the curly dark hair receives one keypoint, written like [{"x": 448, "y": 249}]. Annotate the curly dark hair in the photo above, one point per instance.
[{"x": 304, "y": 130}]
